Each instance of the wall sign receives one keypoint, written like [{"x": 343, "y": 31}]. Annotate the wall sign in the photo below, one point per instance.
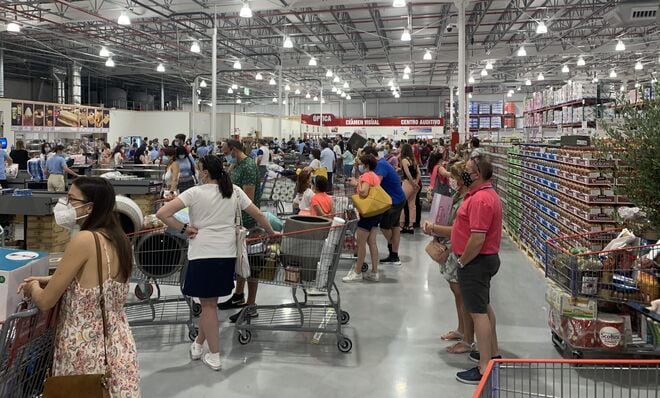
[
  {"x": 48, "y": 117},
  {"x": 331, "y": 121}
]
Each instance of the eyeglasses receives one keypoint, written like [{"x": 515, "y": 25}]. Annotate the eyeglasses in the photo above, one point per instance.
[{"x": 68, "y": 199}]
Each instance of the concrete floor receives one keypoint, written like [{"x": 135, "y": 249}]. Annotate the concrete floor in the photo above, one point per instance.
[{"x": 395, "y": 327}]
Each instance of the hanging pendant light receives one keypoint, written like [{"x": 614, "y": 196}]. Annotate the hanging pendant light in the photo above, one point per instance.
[
  {"x": 246, "y": 11},
  {"x": 259, "y": 76},
  {"x": 288, "y": 43},
  {"x": 195, "y": 48},
  {"x": 405, "y": 36},
  {"x": 522, "y": 52}
]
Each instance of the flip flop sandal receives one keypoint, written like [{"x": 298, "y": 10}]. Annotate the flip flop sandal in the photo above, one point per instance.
[
  {"x": 451, "y": 336},
  {"x": 461, "y": 347}
]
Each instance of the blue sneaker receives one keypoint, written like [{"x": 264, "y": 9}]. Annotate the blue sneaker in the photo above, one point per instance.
[{"x": 472, "y": 376}]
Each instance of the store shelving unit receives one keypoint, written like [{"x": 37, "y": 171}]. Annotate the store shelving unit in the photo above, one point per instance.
[{"x": 550, "y": 191}]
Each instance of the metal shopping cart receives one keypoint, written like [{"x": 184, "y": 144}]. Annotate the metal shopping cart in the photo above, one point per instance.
[
  {"x": 160, "y": 259},
  {"x": 26, "y": 351},
  {"x": 342, "y": 206},
  {"x": 278, "y": 192},
  {"x": 523, "y": 378},
  {"x": 301, "y": 260}
]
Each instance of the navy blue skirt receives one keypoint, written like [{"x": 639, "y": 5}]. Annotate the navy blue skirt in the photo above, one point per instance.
[{"x": 209, "y": 277}]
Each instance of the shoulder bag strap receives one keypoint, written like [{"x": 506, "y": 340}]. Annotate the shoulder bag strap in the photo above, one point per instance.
[{"x": 99, "y": 261}]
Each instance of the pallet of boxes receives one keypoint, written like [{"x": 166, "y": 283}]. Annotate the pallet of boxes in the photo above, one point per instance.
[{"x": 44, "y": 234}]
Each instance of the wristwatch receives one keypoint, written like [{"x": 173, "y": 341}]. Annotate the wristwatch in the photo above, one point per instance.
[{"x": 458, "y": 260}]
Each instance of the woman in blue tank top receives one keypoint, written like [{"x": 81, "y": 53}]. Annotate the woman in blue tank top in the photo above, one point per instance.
[{"x": 183, "y": 170}]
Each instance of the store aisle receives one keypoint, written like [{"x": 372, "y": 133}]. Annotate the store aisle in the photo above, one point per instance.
[{"x": 395, "y": 327}]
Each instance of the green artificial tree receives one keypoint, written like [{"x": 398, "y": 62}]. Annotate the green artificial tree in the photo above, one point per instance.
[{"x": 634, "y": 139}]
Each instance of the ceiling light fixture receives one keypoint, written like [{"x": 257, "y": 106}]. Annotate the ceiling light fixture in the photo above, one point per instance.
[
  {"x": 288, "y": 43},
  {"x": 287, "y": 88},
  {"x": 390, "y": 83},
  {"x": 284, "y": 102},
  {"x": 565, "y": 69},
  {"x": 397, "y": 95},
  {"x": 109, "y": 63},
  {"x": 238, "y": 100},
  {"x": 13, "y": 27},
  {"x": 581, "y": 62},
  {"x": 528, "y": 82},
  {"x": 540, "y": 77},
  {"x": 328, "y": 73},
  {"x": 612, "y": 74},
  {"x": 595, "y": 79},
  {"x": 522, "y": 52},
  {"x": 405, "y": 36},
  {"x": 489, "y": 65},
  {"x": 428, "y": 56},
  {"x": 336, "y": 79},
  {"x": 348, "y": 97},
  {"x": 407, "y": 69},
  {"x": 312, "y": 62},
  {"x": 334, "y": 89},
  {"x": 484, "y": 72},
  {"x": 234, "y": 86},
  {"x": 469, "y": 95},
  {"x": 322, "y": 100},
  {"x": 406, "y": 76},
  {"x": 308, "y": 96},
  {"x": 297, "y": 92},
  {"x": 230, "y": 90},
  {"x": 620, "y": 46},
  {"x": 509, "y": 94},
  {"x": 274, "y": 100},
  {"x": 194, "y": 47},
  {"x": 639, "y": 66},
  {"x": 339, "y": 91},
  {"x": 259, "y": 76},
  {"x": 246, "y": 11},
  {"x": 160, "y": 68},
  {"x": 471, "y": 80},
  {"x": 637, "y": 85},
  {"x": 237, "y": 64},
  {"x": 123, "y": 19},
  {"x": 343, "y": 95},
  {"x": 272, "y": 82},
  {"x": 518, "y": 88},
  {"x": 104, "y": 52},
  {"x": 346, "y": 85},
  {"x": 541, "y": 28},
  {"x": 315, "y": 98},
  {"x": 203, "y": 84},
  {"x": 399, "y": 3}
]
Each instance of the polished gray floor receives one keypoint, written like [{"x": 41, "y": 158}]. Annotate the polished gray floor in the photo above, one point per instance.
[{"x": 395, "y": 327}]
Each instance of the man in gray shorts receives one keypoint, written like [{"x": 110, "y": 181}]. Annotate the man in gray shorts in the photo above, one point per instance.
[{"x": 475, "y": 240}]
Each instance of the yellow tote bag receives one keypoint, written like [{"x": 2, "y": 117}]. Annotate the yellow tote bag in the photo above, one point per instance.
[
  {"x": 377, "y": 202},
  {"x": 322, "y": 171}
]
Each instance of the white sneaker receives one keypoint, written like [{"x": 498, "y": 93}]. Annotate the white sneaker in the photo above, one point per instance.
[
  {"x": 315, "y": 292},
  {"x": 371, "y": 276},
  {"x": 196, "y": 351},
  {"x": 212, "y": 361},
  {"x": 352, "y": 276}
]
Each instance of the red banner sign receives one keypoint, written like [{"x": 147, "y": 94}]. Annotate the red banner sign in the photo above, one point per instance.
[{"x": 332, "y": 121}]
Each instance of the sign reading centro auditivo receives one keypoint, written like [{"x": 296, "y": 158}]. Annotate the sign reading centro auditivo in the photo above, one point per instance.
[{"x": 332, "y": 121}]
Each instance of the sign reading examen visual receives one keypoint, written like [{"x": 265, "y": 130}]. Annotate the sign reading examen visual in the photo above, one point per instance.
[{"x": 332, "y": 121}]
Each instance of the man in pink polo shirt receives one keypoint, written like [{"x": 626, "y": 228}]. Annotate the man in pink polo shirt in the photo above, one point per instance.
[{"x": 475, "y": 239}]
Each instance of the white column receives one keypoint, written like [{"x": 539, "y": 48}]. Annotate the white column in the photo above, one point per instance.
[
  {"x": 462, "y": 131},
  {"x": 162, "y": 95},
  {"x": 194, "y": 109},
  {"x": 451, "y": 107},
  {"x": 214, "y": 81},
  {"x": 279, "y": 101}
]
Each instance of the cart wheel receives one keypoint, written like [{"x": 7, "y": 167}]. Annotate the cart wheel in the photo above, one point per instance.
[
  {"x": 344, "y": 344},
  {"x": 577, "y": 355},
  {"x": 244, "y": 337},
  {"x": 365, "y": 267},
  {"x": 196, "y": 309},
  {"x": 192, "y": 333},
  {"x": 344, "y": 317},
  {"x": 143, "y": 291}
]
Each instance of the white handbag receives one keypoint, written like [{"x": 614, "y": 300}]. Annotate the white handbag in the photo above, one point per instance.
[{"x": 242, "y": 262}]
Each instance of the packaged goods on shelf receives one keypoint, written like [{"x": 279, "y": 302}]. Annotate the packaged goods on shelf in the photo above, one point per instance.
[
  {"x": 473, "y": 107},
  {"x": 510, "y": 108},
  {"x": 484, "y": 122},
  {"x": 474, "y": 123},
  {"x": 484, "y": 108},
  {"x": 509, "y": 122},
  {"x": 496, "y": 122},
  {"x": 497, "y": 108}
]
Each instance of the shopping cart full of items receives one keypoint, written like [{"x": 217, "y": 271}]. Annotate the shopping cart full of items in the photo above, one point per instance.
[{"x": 301, "y": 261}]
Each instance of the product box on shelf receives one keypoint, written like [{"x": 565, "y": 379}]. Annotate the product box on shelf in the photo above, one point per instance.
[{"x": 15, "y": 266}]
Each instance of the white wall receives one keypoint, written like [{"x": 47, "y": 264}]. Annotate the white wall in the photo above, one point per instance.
[
  {"x": 154, "y": 124},
  {"x": 5, "y": 109}
]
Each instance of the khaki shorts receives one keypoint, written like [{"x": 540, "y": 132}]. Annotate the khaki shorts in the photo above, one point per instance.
[{"x": 56, "y": 183}]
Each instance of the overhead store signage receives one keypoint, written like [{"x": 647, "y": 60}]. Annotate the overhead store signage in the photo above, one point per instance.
[
  {"x": 332, "y": 121},
  {"x": 48, "y": 117}
]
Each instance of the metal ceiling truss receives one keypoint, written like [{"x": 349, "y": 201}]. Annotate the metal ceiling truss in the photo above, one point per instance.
[{"x": 346, "y": 24}]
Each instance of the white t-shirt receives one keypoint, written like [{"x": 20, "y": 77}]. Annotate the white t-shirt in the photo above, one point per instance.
[
  {"x": 337, "y": 150},
  {"x": 215, "y": 219},
  {"x": 306, "y": 201},
  {"x": 328, "y": 159},
  {"x": 265, "y": 158},
  {"x": 315, "y": 164}
]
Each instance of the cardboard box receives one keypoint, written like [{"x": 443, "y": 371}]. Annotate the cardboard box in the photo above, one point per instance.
[
  {"x": 15, "y": 266},
  {"x": 566, "y": 305}
]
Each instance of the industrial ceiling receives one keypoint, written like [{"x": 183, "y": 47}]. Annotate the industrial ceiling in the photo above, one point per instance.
[{"x": 360, "y": 42}]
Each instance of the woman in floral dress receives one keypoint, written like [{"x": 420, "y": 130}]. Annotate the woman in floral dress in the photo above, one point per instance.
[{"x": 79, "y": 345}]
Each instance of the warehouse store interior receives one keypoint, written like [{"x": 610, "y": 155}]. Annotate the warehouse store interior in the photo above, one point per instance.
[{"x": 552, "y": 104}]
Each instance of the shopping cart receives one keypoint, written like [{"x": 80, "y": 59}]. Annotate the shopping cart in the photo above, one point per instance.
[
  {"x": 521, "y": 378},
  {"x": 301, "y": 260},
  {"x": 26, "y": 351},
  {"x": 342, "y": 207},
  {"x": 579, "y": 264},
  {"x": 160, "y": 259}
]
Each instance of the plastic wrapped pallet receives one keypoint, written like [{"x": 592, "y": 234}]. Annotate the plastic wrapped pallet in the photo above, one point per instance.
[{"x": 329, "y": 250}]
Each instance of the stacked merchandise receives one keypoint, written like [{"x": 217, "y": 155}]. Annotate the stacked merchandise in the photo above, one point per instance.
[
  {"x": 598, "y": 295},
  {"x": 571, "y": 109},
  {"x": 507, "y": 184},
  {"x": 557, "y": 191},
  {"x": 510, "y": 115},
  {"x": 490, "y": 115},
  {"x": 44, "y": 234}
]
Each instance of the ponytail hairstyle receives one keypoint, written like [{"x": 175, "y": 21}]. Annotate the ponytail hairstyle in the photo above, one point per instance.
[{"x": 213, "y": 164}]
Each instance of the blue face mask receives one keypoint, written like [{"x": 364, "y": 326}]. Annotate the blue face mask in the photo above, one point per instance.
[
  {"x": 166, "y": 159},
  {"x": 230, "y": 159}
]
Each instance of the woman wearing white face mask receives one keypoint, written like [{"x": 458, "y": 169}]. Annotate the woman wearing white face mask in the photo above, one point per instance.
[
  {"x": 80, "y": 341},
  {"x": 212, "y": 249},
  {"x": 183, "y": 170}
]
